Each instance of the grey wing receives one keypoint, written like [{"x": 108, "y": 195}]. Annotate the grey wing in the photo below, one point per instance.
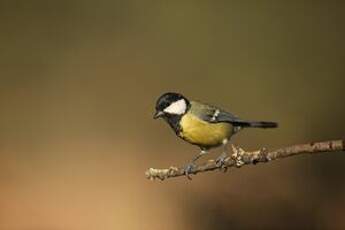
[{"x": 212, "y": 114}]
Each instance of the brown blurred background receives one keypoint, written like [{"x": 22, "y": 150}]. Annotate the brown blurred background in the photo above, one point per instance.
[{"x": 78, "y": 83}]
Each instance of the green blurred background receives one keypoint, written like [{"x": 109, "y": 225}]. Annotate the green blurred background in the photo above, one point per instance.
[{"x": 78, "y": 84}]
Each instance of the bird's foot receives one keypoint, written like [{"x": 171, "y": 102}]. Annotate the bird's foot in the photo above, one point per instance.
[
  {"x": 188, "y": 170},
  {"x": 220, "y": 161}
]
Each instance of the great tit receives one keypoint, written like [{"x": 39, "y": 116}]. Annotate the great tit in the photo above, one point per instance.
[{"x": 201, "y": 124}]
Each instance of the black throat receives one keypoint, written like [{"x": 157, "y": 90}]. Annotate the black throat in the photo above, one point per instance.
[
  {"x": 174, "y": 119},
  {"x": 174, "y": 122}
]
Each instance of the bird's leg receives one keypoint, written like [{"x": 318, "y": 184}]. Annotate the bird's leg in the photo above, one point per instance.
[
  {"x": 190, "y": 166},
  {"x": 221, "y": 159}
]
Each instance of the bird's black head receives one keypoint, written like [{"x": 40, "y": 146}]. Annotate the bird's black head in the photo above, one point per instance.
[{"x": 171, "y": 104}]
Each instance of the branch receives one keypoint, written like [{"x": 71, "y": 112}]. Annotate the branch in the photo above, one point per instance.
[{"x": 240, "y": 157}]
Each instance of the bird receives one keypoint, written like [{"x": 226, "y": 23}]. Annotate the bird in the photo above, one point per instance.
[{"x": 201, "y": 124}]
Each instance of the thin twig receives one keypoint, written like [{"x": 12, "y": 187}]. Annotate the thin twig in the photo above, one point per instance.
[{"x": 240, "y": 157}]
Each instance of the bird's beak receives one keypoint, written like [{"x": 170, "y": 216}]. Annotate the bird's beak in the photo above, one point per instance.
[{"x": 158, "y": 114}]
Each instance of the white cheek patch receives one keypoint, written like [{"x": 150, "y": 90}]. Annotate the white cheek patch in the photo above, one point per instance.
[{"x": 178, "y": 107}]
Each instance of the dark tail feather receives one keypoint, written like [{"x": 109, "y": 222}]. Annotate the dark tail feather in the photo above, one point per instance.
[{"x": 257, "y": 124}]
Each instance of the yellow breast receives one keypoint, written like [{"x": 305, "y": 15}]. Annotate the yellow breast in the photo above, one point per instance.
[{"x": 199, "y": 132}]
